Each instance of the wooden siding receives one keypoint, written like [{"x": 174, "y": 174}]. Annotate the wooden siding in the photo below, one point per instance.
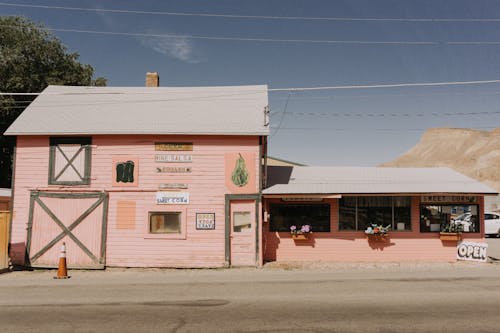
[
  {"x": 348, "y": 246},
  {"x": 4, "y": 239},
  {"x": 128, "y": 241}
]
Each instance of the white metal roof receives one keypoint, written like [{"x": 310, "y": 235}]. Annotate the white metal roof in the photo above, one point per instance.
[
  {"x": 366, "y": 180},
  {"x": 67, "y": 110}
]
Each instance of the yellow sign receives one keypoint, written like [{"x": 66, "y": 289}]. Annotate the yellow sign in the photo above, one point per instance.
[{"x": 174, "y": 146}]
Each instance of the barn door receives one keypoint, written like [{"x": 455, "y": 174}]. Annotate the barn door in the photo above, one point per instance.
[{"x": 78, "y": 219}]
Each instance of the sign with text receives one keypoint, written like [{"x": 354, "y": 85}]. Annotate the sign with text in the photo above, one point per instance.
[
  {"x": 173, "y": 186},
  {"x": 172, "y": 198},
  {"x": 472, "y": 251},
  {"x": 205, "y": 221},
  {"x": 173, "y": 169},
  {"x": 448, "y": 198},
  {"x": 173, "y": 158},
  {"x": 173, "y": 146}
]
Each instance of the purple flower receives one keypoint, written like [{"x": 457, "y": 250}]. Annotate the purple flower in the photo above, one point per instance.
[
  {"x": 305, "y": 228},
  {"x": 293, "y": 228}
]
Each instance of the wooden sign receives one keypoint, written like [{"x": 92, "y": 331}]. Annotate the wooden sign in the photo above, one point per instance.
[
  {"x": 172, "y": 198},
  {"x": 172, "y": 186},
  {"x": 174, "y": 146},
  {"x": 173, "y": 158},
  {"x": 173, "y": 169},
  {"x": 448, "y": 199},
  {"x": 205, "y": 221}
]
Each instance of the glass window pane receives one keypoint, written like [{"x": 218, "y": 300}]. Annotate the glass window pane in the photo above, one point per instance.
[
  {"x": 435, "y": 218},
  {"x": 242, "y": 222},
  {"x": 165, "y": 223},
  {"x": 283, "y": 216},
  {"x": 347, "y": 213},
  {"x": 402, "y": 213}
]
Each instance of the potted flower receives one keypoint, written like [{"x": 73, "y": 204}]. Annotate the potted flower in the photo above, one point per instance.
[
  {"x": 377, "y": 232},
  {"x": 300, "y": 233},
  {"x": 451, "y": 231}
]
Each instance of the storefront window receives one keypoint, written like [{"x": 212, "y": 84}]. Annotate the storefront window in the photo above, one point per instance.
[
  {"x": 283, "y": 216},
  {"x": 165, "y": 223},
  {"x": 435, "y": 218},
  {"x": 358, "y": 213}
]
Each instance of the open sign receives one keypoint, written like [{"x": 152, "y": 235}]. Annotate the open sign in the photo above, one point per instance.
[{"x": 472, "y": 251}]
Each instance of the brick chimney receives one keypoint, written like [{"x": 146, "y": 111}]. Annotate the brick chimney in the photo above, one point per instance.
[{"x": 152, "y": 79}]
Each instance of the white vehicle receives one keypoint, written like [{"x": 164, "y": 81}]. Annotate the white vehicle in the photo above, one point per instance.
[{"x": 492, "y": 224}]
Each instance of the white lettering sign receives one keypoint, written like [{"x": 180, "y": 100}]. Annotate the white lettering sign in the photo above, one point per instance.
[
  {"x": 472, "y": 251},
  {"x": 172, "y": 198},
  {"x": 173, "y": 158}
]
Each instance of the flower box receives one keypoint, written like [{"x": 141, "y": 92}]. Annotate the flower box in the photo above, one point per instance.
[
  {"x": 300, "y": 236},
  {"x": 450, "y": 236},
  {"x": 377, "y": 237},
  {"x": 301, "y": 233}
]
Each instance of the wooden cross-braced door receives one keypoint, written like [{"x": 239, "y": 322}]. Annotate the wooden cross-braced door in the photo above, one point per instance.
[{"x": 78, "y": 219}]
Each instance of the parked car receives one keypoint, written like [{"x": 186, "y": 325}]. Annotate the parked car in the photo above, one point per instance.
[{"x": 492, "y": 224}]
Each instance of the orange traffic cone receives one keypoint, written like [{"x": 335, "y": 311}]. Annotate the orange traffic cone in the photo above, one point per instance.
[{"x": 62, "y": 271}]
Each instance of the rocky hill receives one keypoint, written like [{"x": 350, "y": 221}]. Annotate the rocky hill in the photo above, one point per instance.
[{"x": 471, "y": 152}]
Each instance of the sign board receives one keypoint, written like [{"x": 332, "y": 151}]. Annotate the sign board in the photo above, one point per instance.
[
  {"x": 205, "y": 221},
  {"x": 294, "y": 199},
  {"x": 172, "y": 198},
  {"x": 173, "y": 146},
  {"x": 173, "y": 169},
  {"x": 448, "y": 198},
  {"x": 472, "y": 251},
  {"x": 173, "y": 158},
  {"x": 173, "y": 186}
]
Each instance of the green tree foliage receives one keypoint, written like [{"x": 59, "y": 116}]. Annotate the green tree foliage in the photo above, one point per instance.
[{"x": 31, "y": 58}]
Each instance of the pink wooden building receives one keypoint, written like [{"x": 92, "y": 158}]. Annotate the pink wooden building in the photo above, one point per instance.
[
  {"x": 140, "y": 177},
  {"x": 341, "y": 204},
  {"x": 173, "y": 177}
]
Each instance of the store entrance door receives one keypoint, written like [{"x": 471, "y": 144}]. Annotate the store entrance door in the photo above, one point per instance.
[{"x": 243, "y": 233}]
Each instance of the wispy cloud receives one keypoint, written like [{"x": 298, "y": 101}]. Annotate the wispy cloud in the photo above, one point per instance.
[{"x": 176, "y": 47}]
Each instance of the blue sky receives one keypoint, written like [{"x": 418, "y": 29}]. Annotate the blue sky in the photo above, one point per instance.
[{"x": 358, "y": 127}]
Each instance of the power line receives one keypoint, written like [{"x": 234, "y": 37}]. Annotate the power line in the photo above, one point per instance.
[
  {"x": 273, "y": 40},
  {"x": 383, "y": 115},
  {"x": 259, "y": 17},
  {"x": 345, "y": 129},
  {"x": 241, "y": 39},
  {"x": 397, "y": 85},
  {"x": 305, "y": 89}
]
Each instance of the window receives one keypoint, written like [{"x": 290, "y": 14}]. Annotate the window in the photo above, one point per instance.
[
  {"x": 69, "y": 161},
  {"x": 242, "y": 222},
  {"x": 434, "y": 218},
  {"x": 283, "y": 216},
  {"x": 358, "y": 213},
  {"x": 165, "y": 223}
]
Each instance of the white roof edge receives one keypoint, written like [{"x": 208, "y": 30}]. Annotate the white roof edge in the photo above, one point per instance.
[{"x": 7, "y": 133}]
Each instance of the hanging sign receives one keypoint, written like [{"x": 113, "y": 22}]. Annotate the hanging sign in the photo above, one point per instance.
[
  {"x": 472, "y": 251},
  {"x": 172, "y": 198},
  {"x": 173, "y": 158},
  {"x": 173, "y": 169},
  {"x": 205, "y": 221},
  {"x": 448, "y": 198},
  {"x": 173, "y": 186},
  {"x": 173, "y": 146}
]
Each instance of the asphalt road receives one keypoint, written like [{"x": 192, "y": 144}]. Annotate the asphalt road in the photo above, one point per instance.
[{"x": 357, "y": 298}]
